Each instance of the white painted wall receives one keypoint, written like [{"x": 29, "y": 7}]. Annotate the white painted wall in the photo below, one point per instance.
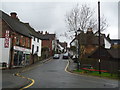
[
  {"x": 35, "y": 43},
  {"x": 107, "y": 43},
  {"x": 4, "y": 52},
  {"x": 54, "y": 44}
]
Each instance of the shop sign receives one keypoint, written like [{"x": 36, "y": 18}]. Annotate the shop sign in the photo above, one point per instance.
[
  {"x": 6, "y": 42},
  {"x": 21, "y": 49}
]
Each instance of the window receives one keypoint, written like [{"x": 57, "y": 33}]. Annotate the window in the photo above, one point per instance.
[
  {"x": 18, "y": 40},
  {"x": 37, "y": 49},
  {"x": 37, "y": 39},
  {"x": 28, "y": 42},
  {"x": 34, "y": 38},
  {"x": 23, "y": 41},
  {"x": 32, "y": 49}
]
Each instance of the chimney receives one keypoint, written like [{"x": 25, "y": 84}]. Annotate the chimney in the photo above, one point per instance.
[
  {"x": 41, "y": 32},
  {"x": 38, "y": 32},
  {"x": 13, "y": 14},
  {"x": 90, "y": 31},
  {"x": 46, "y": 32}
]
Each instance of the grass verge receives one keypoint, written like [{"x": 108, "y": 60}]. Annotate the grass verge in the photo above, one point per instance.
[{"x": 96, "y": 73}]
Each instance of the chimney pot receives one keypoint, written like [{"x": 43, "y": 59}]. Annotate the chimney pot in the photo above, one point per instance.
[
  {"x": 41, "y": 32},
  {"x": 13, "y": 14},
  {"x": 46, "y": 32}
]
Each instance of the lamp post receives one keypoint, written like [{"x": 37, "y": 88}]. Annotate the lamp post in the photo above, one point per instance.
[{"x": 99, "y": 35}]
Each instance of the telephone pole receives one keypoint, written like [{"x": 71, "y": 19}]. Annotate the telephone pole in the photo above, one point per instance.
[{"x": 99, "y": 35}]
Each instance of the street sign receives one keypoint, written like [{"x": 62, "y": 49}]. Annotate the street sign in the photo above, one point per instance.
[{"x": 6, "y": 42}]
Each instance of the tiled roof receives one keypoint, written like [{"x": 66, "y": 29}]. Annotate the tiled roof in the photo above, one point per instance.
[
  {"x": 114, "y": 52},
  {"x": 91, "y": 39},
  {"x": 15, "y": 24},
  {"x": 33, "y": 32},
  {"x": 47, "y": 36}
]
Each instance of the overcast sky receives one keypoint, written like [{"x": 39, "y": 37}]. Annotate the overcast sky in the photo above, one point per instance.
[{"x": 50, "y": 16}]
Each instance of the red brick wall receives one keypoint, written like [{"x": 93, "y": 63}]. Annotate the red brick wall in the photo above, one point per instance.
[
  {"x": 5, "y": 27},
  {"x": 47, "y": 43}
]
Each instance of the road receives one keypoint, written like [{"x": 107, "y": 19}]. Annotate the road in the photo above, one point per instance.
[{"x": 53, "y": 75}]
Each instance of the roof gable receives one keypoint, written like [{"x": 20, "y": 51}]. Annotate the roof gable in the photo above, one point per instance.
[{"x": 15, "y": 24}]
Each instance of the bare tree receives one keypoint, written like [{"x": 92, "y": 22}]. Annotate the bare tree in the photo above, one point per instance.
[{"x": 83, "y": 17}]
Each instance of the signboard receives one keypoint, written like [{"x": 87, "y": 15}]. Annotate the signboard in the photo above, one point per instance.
[
  {"x": 6, "y": 42},
  {"x": 22, "y": 49}
]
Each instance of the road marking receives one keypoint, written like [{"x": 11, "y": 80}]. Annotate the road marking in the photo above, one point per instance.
[
  {"x": 32, "y": 80},
  {"x": 66, "y": 70}
]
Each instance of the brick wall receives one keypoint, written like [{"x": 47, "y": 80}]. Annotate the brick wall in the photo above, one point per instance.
[
  {"x": 47, "y": 43},
  {"x": 24, "y": 41}
]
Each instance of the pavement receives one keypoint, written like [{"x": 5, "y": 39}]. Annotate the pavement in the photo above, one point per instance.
[
  {"x": 72, "y": 66},
  {"x": 9, "y": 77}
]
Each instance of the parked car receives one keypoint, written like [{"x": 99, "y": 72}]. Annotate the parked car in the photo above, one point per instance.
[
  {"x": 65, "y": 56},
  {"x": 56, "y": 56}
]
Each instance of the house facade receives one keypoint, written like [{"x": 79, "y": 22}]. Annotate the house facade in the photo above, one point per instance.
[
  {"x": 89, "y": 42},
  {"x": 36, "y": 43},
  {"x": 15, "y": 41},
  {"x": 49, "y": 41}
]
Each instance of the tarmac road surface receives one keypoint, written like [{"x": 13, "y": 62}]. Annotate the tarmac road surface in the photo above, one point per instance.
[{"x": 52, "y": 74}]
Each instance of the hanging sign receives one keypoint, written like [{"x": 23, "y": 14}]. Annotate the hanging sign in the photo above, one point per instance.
[{"x": 6, "y": 42}]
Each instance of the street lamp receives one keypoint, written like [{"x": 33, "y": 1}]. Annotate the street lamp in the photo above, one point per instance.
[
  {"x": 78, "y": 53},
  {"x": 99, "y": 35}
]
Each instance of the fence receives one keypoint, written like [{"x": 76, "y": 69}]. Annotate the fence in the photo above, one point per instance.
[{"x": 111, "y": 66}]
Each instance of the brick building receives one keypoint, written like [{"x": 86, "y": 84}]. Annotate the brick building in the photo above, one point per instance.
[
  {"x": 15, "y": 40},
  {"x": 89, "y": 42},
  {"x": 49, "y": 41}
]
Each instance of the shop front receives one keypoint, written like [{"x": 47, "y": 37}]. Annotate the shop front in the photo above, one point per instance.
[{"x": 21, "y": 56}]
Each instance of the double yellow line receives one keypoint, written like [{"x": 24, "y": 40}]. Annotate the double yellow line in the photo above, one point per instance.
[
  {"x": 66, "y": 69},
  {"x": 32, "y": 81}
]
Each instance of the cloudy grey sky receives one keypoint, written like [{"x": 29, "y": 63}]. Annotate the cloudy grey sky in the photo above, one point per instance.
[{"x": 50, "y": 16}]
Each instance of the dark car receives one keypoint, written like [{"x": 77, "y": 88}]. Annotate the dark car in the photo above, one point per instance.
[
  {"x": 65, "y": 56},
  {"x": 56, "y": 56}
]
